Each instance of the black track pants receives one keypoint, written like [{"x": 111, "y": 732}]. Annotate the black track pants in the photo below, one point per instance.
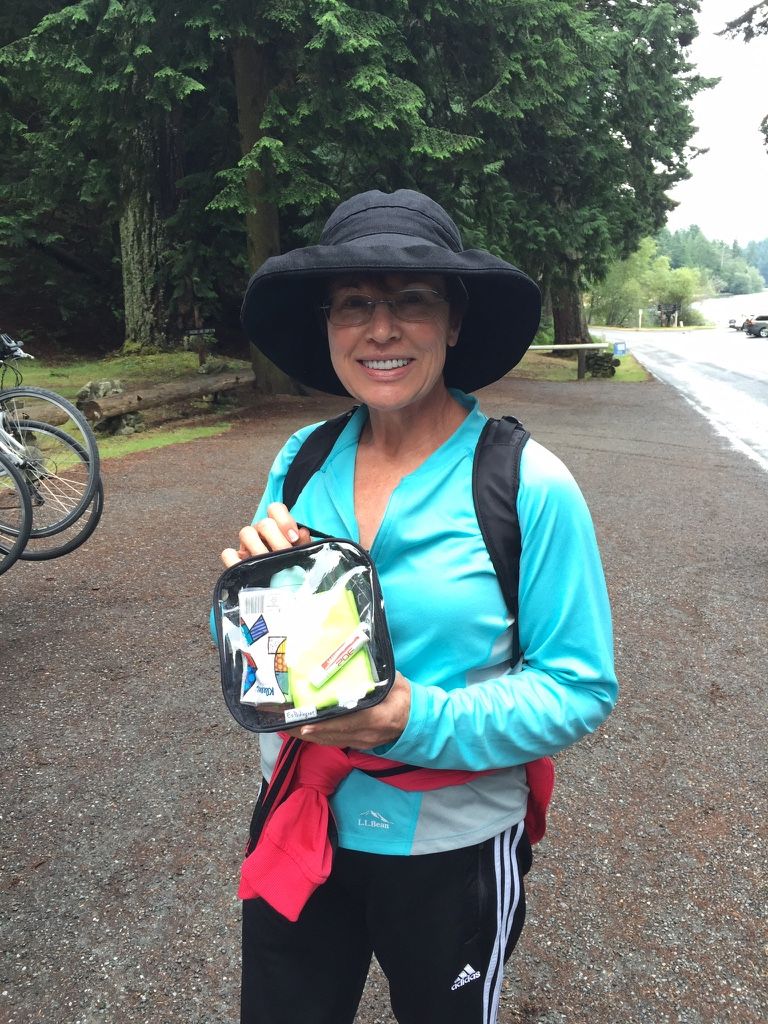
[{"x": 441, "y": 926}]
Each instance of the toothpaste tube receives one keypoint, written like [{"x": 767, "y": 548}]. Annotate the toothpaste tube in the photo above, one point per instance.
[{"x": 338, "y": 657}]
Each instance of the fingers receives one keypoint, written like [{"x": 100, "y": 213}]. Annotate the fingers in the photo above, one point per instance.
[
  {"x": 278, "y": 531},
  {"x": 230, "y": 557},
  {"x": 263, "y": 536},
  {"x": 279, "y": 514}
]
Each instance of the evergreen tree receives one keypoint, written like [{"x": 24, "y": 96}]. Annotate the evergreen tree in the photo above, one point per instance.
[
  {"x": 55, "y": 232},
  {"x": 551, "y": 131},
  {"x": 608, "y": 186},
  {"x": 108, "y": 94}
]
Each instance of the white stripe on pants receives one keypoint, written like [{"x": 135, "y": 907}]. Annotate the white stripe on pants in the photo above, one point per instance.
[{"x": 507, "y": 899}]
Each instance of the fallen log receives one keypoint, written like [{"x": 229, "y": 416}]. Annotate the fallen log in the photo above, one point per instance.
[{"x": 97, "y": 409}]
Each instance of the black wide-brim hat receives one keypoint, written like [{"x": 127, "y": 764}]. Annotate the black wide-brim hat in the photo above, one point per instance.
[{"x": 402, "y": 232}]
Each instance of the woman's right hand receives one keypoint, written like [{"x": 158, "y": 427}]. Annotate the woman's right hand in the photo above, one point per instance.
[{"x": 278, "y": 532}]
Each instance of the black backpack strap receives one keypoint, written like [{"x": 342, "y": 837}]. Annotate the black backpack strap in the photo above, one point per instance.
[
  {"x": 495, "y": 482},
  {"x": 312, "y": 454}
]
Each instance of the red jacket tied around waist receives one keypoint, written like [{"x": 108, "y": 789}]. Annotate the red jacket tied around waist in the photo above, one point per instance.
[{"x": 292, "y": 852}]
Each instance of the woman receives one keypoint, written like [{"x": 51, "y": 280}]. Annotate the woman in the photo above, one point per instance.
[{"x": 390, "y": 309}]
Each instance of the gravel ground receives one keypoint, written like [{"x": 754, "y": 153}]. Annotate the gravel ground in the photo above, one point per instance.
[{"x": 126, "y": 785}]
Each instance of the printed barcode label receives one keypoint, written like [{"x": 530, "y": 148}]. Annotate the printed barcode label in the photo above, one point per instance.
[{"x": 251, "y": 601}]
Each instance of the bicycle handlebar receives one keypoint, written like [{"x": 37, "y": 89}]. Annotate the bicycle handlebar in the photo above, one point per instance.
[{"x": 10, "y": 348}]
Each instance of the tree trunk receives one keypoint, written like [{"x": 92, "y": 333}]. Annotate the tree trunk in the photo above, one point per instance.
[
  {"x": 567, "y": 308},
  {"x": 252, "y": 85},
  {"x": 545, "y": 277},
  {"x": 147, "y": 188}
]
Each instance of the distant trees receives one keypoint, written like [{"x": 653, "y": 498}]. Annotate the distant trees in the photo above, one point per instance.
[
  {"x": 641, "y": 282},
  {"x": 756, "y": 255},
  {"x": 724, "y": 268},
  {"x": 679, "y": 268},
  {"x": 627, "y": 287},
  {"x": 155, "y": 153}
]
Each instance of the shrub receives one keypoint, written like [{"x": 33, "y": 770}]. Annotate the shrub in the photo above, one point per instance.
[{"x": 693, "y": 317}]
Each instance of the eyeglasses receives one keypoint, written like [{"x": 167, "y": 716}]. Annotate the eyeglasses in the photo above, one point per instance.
[{"x": 411, "y": 305}]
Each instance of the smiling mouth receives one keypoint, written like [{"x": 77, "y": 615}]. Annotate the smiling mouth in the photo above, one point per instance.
[{"x": 384, "y": 364}]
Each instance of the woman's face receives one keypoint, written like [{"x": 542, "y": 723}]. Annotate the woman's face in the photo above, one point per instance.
[{"x": 391, "y": 363}]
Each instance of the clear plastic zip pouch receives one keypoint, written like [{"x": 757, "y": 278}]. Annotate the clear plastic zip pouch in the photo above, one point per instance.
[{"x": 302, "y": 635}]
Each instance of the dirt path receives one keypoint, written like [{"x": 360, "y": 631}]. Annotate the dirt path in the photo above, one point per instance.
[{"x": 126, "y": 785}]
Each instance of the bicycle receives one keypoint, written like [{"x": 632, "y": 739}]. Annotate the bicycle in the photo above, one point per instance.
[
  {"x": 61, "y": 466},
  {"x": 15, "y": 513}
]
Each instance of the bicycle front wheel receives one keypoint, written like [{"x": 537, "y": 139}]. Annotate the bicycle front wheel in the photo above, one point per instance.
[
  {"x": 23, "y": 405},
  {"x": 15, "y": 514},
  {"x": 57, "y": 472}
]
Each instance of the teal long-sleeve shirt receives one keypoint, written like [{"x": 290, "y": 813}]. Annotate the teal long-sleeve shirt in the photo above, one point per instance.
[{"x": 451, "y": 634}]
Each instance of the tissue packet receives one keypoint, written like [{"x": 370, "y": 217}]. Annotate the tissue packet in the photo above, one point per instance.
[{"x": 264, "y": 617}]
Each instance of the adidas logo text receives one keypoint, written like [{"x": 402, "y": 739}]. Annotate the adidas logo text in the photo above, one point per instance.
[{"x": 467, "y": 974}]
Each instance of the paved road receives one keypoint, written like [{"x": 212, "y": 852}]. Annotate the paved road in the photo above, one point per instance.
[
  {"x": 126, "y": 785},
  {"x": 721, "y": 372}
]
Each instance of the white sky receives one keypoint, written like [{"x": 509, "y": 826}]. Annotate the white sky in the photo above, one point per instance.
[{"x": 727, "y": 195}]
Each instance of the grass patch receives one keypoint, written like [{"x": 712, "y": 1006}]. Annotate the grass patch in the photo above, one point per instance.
[
  {"x": 543, "y": 366},
  {"x": 630, "y": 371},
  {"x": 132, "y": 371},
  {"x": 116, "y": 447}
]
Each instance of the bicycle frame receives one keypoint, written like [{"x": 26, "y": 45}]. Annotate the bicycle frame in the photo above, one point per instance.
[{"x": 9, "y": 445}]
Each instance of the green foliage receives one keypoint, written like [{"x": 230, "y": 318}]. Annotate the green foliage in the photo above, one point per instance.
[
  {"x": 550, "y": 130},
  {"x": 693, "y": 317},
  {"x": 641, "y": 282},
  {"x": 756, "y": 255},
  {"x": 107, "y": 111},
  {"x": 726, "y": 269},
  {"x": 545, "y": 334},
  {"x": 628, "y": 286},
  {"x": 681, "y": 286}
]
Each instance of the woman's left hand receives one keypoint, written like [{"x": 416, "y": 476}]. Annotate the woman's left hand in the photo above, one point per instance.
[{"x": 361, "y": 730}]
